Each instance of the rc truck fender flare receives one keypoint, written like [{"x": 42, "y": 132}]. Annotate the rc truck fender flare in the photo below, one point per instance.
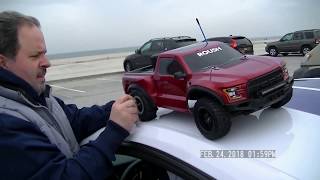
[
  {"x": 139, "y": 88},
  {"x": 197, "y": 92},
  {"x": 136, "y": 86}
]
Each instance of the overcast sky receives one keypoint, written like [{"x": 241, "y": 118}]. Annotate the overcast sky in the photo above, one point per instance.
[{"x": 79, "y": 25}]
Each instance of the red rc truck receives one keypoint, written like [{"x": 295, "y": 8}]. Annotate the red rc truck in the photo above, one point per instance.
[{"x": 220, "y": 80}]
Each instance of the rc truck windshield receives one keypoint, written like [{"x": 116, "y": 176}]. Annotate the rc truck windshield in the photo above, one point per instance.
[{"x": 212, "y": 57}]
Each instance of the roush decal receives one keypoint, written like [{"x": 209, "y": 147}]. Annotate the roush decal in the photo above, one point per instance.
[{"x": 209, "y": 51}]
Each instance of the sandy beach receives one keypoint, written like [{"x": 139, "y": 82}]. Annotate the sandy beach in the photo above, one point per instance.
[
  {"x": 69, "y": 68},
  {"x": 63, "y": 61}
]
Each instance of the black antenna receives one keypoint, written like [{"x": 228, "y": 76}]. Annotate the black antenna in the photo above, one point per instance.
[{"x": 202, "y": 31}]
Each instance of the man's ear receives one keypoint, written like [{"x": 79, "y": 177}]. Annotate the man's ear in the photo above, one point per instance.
[{"x": 3, "y": 62}]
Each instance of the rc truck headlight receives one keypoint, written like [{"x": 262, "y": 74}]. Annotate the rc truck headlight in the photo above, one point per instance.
[
  {"x": 232, "y": 93},
  {"x": 285, "y": 72},
  {"x": 235, "y": 93}
]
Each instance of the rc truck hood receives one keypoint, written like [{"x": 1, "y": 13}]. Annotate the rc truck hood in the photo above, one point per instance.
[{"x": 248, "y": 68}]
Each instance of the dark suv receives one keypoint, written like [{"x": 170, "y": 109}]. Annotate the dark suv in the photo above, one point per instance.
[
  {"x": 297, "y": 42},
  {"x": 240, "y": 43},
  {"x": 149, "y": 51}
]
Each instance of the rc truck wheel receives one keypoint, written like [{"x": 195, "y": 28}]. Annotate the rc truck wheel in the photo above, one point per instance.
[
  {"x": 211, "y": 118},
  {"x": 283, "y": 101},
  {"x": 147, "y": 109}
]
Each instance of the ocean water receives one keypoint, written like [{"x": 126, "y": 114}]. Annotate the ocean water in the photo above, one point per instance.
[{"x": 90, "y": 53}]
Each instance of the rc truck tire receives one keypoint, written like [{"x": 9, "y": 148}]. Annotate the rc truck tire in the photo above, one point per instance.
[
  {"x": 147, "y": 109},
  {"x": 212, "y": 120}
]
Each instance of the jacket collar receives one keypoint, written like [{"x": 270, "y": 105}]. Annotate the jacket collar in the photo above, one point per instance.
[{"x": 13, "y": 82}]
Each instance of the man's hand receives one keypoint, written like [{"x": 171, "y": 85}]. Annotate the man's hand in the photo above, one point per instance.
[{"x": 124, "y": 112}]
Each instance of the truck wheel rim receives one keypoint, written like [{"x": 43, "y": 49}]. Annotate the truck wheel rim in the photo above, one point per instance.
[
  {"x": 272, "y": 52},
  {"x": 128, "y": 67},
  {"x": 139, "y": 104},
  {"x": 205, "y": 119},
  {"x": 305, "y": 50}
]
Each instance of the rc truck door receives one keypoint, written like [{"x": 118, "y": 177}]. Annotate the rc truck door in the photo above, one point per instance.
[{"x": 171, "y": 84}]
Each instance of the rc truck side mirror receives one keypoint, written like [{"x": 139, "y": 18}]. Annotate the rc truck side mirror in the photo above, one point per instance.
[{"x": 179, "y": 75}]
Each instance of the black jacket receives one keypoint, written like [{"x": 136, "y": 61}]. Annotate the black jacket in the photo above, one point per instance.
[{"x": 26, "y": 153}]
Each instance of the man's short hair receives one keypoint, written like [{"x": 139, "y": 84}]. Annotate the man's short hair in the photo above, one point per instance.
[{"x": 10, "y": 22}]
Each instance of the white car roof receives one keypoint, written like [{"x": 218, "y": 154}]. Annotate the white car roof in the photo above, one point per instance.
[{"x": 292, "y": 132}]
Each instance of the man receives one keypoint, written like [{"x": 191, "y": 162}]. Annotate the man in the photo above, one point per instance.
[{"x": 39, "y": 133}]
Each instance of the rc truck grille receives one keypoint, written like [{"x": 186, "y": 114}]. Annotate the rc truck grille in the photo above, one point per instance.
[{"x": 256, "y": 86}]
